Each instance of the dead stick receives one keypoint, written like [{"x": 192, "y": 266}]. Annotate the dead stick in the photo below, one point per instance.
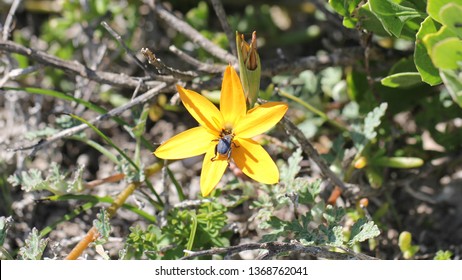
[
  {"x": 112, "y": 113},
  {"x": 74, "y": 67},
  {"x": 199, "y": 65},
  {"x": 311, "y": 152},
  {"x": 187, "y": 30},
  {"x": 221, "y": 14},
  {"x": 276, "y": 248}
]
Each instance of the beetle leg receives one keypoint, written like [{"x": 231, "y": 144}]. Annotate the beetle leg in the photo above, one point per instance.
[
  {"x": 229, "y": 155},
  {"x": 215, "y": 157}
]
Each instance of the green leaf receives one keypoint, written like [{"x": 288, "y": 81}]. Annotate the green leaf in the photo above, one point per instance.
[
  {"x": 447, "y": 54},
  {"x": 34, "y": 247},
  {"x": 443, "y": 255},
  {"x": 333, "y": 215},
  {"x": 108, "y": 140},
  {"x": 335, "y": 236},
  {"x": 140, "y": 127},
  {"x": 434, "y": 38},
  {"x": 374, "y": 177},
  {"x": 103, "y": 226},
  {"x": 370, "y": 21},
  {"x": 450, "y": 16},
  {"x": 198, "y": 16},
  {"x": 428, "y": 72},
  {"x": 55, "y": 181},
  {"x": 101, "y": 7},
  {"x": 372, "y": 121},
  {"x": 277, "y": 224},
  {"x": 453, "y": 83},
  {"x": 434, "y": 7},
  {"x": 363, "y": 230},
  {"x": 290, "y": 170},
  {"x": 403, "y": 74},
  {"x": 359, "y": 91},
  {"x": 392, "y": 15},
  {"x": 5, "y": 224},
  {"x": 397, "y": 162},
  {"x": 361, "y": 135},
  {"x": 97, "y": 147},
  {"x": 307, "y": 191},
  {"x": 28, "y": 181},
  {"x": 403, "y": 80},
  {"x": 405, "y": 64},
  {"x": 192, "y": 233},
  {"x": 346, "y": 8}
]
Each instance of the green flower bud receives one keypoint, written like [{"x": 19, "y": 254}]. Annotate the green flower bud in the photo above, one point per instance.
[{"x": 249, "y": 67}]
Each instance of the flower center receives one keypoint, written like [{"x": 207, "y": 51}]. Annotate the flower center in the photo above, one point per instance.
[{"x": 228, "y": 129}]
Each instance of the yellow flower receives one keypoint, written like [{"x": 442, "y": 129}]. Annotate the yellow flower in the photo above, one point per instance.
[{"x": 226, "y": 134}]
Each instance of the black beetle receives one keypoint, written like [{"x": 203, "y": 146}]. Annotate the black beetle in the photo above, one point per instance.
[{"x": 224, "y": 146}]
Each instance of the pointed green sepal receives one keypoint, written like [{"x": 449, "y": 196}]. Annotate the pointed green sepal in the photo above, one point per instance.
[{"x": 249, "y": 67}]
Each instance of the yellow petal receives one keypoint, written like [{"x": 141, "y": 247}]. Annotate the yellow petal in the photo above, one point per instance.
[
  {"x": 192, "y": 142},
  {"x": 212, "y": 171},
  {"x": 254, "y": 161},
  {"x": 232, "y": 99},
  {"x": 260, "y": 119},
  {"x": 205, "y": 113}
]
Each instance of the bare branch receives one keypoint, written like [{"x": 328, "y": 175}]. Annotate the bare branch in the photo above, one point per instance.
[
  {"x": 16, "y": 73},
  {"x": 201, "y": 66},
  {"x": 276, "y": 248},
  {"x": 76, "y": 68},
  {"x": 339, "y": 58},
  {"x": 164, "y": 69},
  {"x": 221, "y": 14},
  {"x": 311, "y": 152},
  {"x": 112, "y": 113},
  {"x": 116, "y": 36},
  {"x": 186, "y": 29},
  {"x": 9, "y": 19}
]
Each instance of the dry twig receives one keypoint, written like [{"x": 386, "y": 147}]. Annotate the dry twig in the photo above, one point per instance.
[
  {"x": 311, "y": 152},
  {"x": 76, "y": 68},
  {"x": 200, "y": 66},
  {"x": 276, "y": 248},
  {"x": 116, "y": 36},
  {"x": 221, "y": 14},
  {"x": 112, "y": 113},
  {"x": 164, "y": 69},
  {"x": 347, "y": 56},
  {"x": 9, "y": 19},
  {"x": 186, "y": 29},
  {"x": 350, "y": 190}
]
